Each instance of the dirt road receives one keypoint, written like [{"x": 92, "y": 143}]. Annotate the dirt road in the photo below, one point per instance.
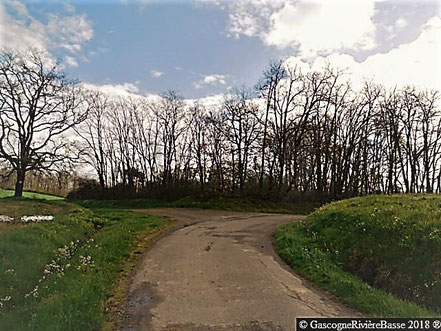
[{"x": 219, "y": 272}]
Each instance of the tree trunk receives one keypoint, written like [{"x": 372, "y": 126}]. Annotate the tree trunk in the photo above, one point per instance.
[
  {"x": 19, "y": 183},
  {"x": 101, "y": 180},
  {"x": 265, "y": 129}
]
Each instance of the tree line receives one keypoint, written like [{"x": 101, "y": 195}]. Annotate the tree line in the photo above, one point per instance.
[
  {"x": 301, "y": 132},
  {"x": 295, "y": 132}
]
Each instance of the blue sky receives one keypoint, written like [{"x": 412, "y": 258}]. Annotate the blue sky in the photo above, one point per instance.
[
  {"x": 205, "y": 47},
  {"x": 179, "y": 40}
]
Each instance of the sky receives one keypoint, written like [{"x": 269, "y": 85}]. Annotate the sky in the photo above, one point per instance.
[{"x": 203, "y": 48}]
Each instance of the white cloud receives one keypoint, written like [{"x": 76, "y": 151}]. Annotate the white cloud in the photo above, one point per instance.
[
  {"x": 416, "y": 63},
  {"x": 69, "y": 7},
  {"x": 323, "y": 26},
  {"x": 19, "y": 34},
  {"x": 313, "y": 26},
  {"x": 131, "y": 90},
  {"x": 19, "y": 30},
  {"x": 69, "y": 32},
  {"x": 251, "y": 17},
  {"x": 215, "y": 2},
  {"x": 70, "y": 61},
  {"x": 401, "y": 23},
  {"x": 394, "y": 29},
  {"x": 115, "y": 90},
  {"x": 152, "y": 97},
  {"x": 19, "y": 8},
  {"x": 208, "y": 101},
  {"x": 213, "y": 79},
  {"x": 212, "y": 100},
  {"x": 156, "y": 74}
]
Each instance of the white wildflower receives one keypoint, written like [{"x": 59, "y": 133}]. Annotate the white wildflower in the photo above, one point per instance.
[
  {"x": 10, "y": 272},
  {"x": 36, "y": 218}
]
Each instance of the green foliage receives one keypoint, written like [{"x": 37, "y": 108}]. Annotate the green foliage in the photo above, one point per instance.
[{"x": 392, "y": 243}]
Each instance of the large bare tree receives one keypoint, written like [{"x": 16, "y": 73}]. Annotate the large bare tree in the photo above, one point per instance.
[{"x": 38, "y": 106}]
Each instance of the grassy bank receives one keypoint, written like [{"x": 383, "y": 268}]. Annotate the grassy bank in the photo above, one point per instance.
[
  {"x": 220, "y": 203},
  {"x": 380, "y": 254},
  {"x": 61, "y": 274}
]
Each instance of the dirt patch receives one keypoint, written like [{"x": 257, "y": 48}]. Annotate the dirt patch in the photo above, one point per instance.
[{"x": 137, "y": 310}]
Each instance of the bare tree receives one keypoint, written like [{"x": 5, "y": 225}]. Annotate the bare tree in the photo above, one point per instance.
[
  {"x": 39, "y": 104},
  {"x": 122, "y": 131},
  {"x": 171, "y": 115},
  {"x": 430, "y": 134},
  {"x": 241, "y": 126},
  {"x": 93, "y": 133},
  {"x": 267, "y": 87},
  {"x": 198, "y": 126}
]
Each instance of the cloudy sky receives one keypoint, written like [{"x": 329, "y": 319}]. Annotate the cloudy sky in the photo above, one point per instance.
[{"x": 204, "y": 47}]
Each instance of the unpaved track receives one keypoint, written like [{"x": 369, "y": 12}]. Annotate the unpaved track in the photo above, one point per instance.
[{"x": 219, "y": 272}]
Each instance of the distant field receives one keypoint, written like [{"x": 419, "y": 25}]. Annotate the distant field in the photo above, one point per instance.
[
  {"x": 61, "y": 274},
  {"x": 356, "y": 246},
  {"x": 32, "y": 195}
]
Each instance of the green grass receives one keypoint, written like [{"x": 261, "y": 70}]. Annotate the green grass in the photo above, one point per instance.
[
  {"x": 84, "y": 252},
  {"x": 30, "y": 195},
  {"x": 220, "y": 203},
  {"x": 380, "y": 254},
  {"x": 18, "y": 207}
]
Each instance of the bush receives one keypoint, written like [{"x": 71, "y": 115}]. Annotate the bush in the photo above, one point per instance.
[{"x": 91, "y": 190}]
